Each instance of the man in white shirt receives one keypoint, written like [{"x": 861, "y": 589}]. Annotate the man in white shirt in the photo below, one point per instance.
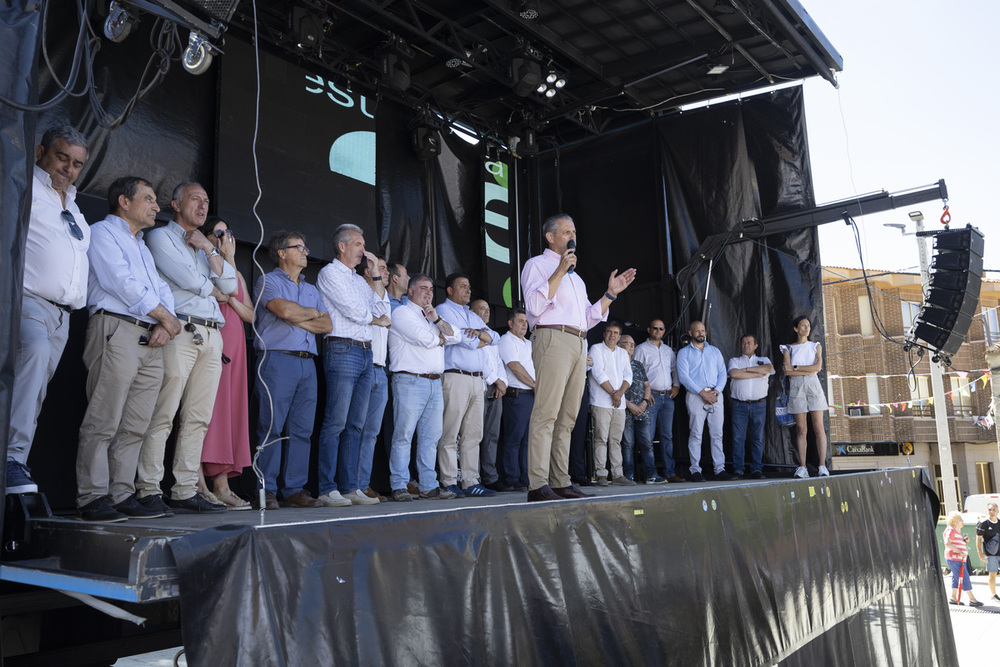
[
  {"x": 417, "y": 343},
  {"x": 609, "y": 380},
  {"x": 356, "y": 305},
  {"x": 660, "y": 363},
  {"x": 515, "y": 351},
  {"x": 495, "y": 377},
  {"x": 463, "y": 389},
  {"x": 748, "y": 376},
  {"x": 380, "y": 388},
  {"x": 55, "y": 284}
]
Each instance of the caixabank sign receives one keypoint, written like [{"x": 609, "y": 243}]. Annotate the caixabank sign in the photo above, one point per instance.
[{"x": 866, "y": 449}]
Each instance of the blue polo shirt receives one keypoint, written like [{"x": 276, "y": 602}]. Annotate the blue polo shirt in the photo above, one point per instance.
[{"x": 276, "y": 333}]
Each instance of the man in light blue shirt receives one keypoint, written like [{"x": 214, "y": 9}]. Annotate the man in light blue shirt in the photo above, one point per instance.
[
  {"x": 702, "y": 371},
  {"x": 463, "y": 389},
  {"x": 192, "y": 362},
  {"x": 131, "y": 320}
]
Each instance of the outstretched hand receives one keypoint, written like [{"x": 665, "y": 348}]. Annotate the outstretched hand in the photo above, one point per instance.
[{"x": 617, "y": 282}]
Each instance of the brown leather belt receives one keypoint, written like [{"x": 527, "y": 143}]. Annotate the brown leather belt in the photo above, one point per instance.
[
  {"x": 477, "y": 374},
  {"x": 128, "y": 318},
  {"x": 428, "y": 376},
  {"x": 367, "y": 344},
  {"x": 565, "y": 329},
  {"x": 211, "y": 324}
]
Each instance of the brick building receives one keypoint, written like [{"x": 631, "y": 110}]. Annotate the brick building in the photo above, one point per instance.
[{"x": 883, "y": 418}]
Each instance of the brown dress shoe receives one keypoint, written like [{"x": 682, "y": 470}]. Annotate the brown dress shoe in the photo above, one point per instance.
[
  {"x": 544, "y": 493},
  {"x": 301, "y": 499},
  {"x": 270, "y": 502},
  {"x": 372, "y": 493},
  {"x": 571, "y": 491},
  {"x": 676, "y": 478},
  {"x": 413, "y": 489}
]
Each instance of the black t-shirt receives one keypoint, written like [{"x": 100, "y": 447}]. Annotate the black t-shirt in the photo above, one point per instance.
[{"x": 990, "y": 532}]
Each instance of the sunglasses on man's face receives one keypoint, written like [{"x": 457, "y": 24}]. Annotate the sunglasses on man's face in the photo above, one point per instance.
[
  {"x": 74, "y": 228},
  {"x": 190, "y": 328}
]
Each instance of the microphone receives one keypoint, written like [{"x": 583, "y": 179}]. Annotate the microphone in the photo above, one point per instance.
[{"x": 571, "y": 245}]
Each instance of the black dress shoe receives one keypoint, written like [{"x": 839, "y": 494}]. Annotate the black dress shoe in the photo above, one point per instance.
[
  {"x": 195, "y": 505},
  {"x": 133, "y": 508},
  {"x": 724, "y": 476},
  {"x": 697, "y": 477},
  {"x": 155, "y": 502},
  {"x": 571, "y": 491},
  {"x": 544, "y": 493}
]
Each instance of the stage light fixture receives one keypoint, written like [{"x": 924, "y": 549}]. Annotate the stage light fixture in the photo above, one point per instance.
[
  {"x": 551, "y": 92},
  {"x": 717, "y": 68},
  {"x": 525, "y": 75},
  {"x": 395, "y": 64},
  {"x": 306, "y": 29},
  {"x": 526, "y": 9},
  {"x": 560, "y": 83},
  {"x": 425, "y": 131}
]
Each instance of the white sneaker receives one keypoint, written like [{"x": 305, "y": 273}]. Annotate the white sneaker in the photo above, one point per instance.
[
  {"x": 802, "y": 472},
  {"x": 823, "y": 472},
  {"x": 358, "y": 497},
  {"x": 334, "y": 499}
]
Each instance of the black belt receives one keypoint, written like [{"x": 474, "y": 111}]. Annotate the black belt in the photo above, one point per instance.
[
  {"x": 301, "y": 354},
  {"x": 477, "y": 374},
  {"x": 759, "y": 400},
  {"x": 428, "y": 376},
  {"x": 514, "y": 392},
  {"x": 565, "y": 329},
  {"x": 367, "y": 344},
  {"x": 661, "y": 393},
  {"x": 211, "y": 324},
  {"x": 60, "y": 306},
  {"x": 128, "y": 318},
  {"x": 382, "y": 366}
]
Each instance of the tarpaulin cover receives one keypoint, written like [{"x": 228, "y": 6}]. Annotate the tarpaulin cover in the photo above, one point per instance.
[
  {"x": 649, "y": 196},
  {"x": 18, "y": 81},
  {"x": 805, "y": 573}
]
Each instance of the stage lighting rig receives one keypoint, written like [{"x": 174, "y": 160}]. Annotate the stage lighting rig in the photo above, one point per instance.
[
  {"x": 123, "y": 15},
  {"x": 525, "y": 70},
  {"x": 425, "y": 131}
]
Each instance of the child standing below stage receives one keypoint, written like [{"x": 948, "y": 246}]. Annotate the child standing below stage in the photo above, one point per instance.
[{"x": 803, "y": 362}]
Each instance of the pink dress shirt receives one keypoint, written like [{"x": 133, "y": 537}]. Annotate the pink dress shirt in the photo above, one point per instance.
[{"x": 569, "y": 307}]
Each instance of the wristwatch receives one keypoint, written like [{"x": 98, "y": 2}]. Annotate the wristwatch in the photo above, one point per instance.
[{"x": 215, "y": 253}]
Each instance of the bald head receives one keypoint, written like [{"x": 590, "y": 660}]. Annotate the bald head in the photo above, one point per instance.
[{"x": 481, "y": 308}]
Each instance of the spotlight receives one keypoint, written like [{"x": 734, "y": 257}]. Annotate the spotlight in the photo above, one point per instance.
[
  {"x": 560, "y": 83},
  {"x": 551, "y": 92},
  {"x": 717, "y": 68},
  {"x": 306, "y": 29},
  {"x": 525, "y": 75},
  {"x": 551, "y": 78},
  {"x": 395, "y": 65},
  {"x": 426, "y": 135},
  {"x": 526, "y": 9},
  {"x": 523, "y": 141}
]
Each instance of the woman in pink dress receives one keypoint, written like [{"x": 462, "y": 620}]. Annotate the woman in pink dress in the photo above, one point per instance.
[{"x": 226, "y": 450}]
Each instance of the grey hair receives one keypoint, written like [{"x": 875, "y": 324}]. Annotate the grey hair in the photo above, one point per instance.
[
  {"x": 179, "y": 190},
  {"x": 67, "y": 132},
  {"x": 280, "y": 241},
  {"x": 343, "y": 233},
  {"x": 549, "y": 226},
  {"x": 419, "y": 278}
]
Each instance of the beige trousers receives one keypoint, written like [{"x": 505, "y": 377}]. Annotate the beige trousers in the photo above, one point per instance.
[
  {"x": 463, "y": 428},
  {"x": 560, "y": 361},
  {"x": 123, "y": 380},
  {"x": 190, "y": 380},
  {"x": 609, "y": 423}
]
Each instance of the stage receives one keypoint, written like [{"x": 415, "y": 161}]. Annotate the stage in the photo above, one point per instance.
[{"x": 840, "y": 570}]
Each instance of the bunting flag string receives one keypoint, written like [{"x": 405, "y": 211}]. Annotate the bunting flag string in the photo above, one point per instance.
[
  {"x": 961, "y": 374},
  {"x": 965, "y": 390}
]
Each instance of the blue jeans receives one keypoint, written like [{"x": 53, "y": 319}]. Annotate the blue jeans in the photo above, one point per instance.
[
  {"x": 516, "y": 415},
  {"x": 291, "y": 382},
  {"x": 373, "y": 424},
  {"x": 754, "y": 414},
  {"x": 637, "y": 431},
  {"x": 417, "y": 406},
  {"x": 349, "y": 376},
  {"x": 956, "y": 566},
  {"x": 661, "y": 419}
]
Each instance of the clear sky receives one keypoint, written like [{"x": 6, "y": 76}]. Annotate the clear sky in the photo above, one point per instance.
[{"x": 918, "y": 101}]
